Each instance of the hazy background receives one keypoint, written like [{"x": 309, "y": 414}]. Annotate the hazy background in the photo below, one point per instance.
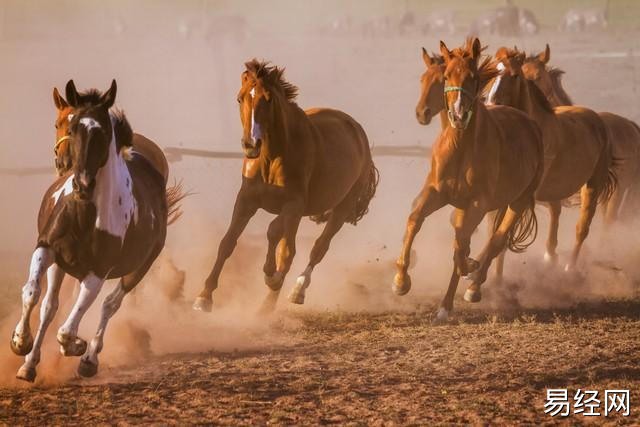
[{"x": 178, "y": 66}]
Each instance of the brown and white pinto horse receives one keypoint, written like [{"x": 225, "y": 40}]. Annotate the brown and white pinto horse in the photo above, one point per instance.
[
  {"x": 297, "y": 163},
  {"x": 624, "y": 136},
  {"x": 485, "y": 158},
  {"x": 577, "y": 149},
  {"x": 104, "y": 219}
]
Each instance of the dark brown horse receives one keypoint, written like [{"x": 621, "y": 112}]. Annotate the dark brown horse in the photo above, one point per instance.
[
  {"x": 577, "y": 149},
  {"x": 624, "y": 135},
  {"x": 297, "y": 163},
  {"x": 486, "y": 158},
  {"x": 104, "y": 219}
]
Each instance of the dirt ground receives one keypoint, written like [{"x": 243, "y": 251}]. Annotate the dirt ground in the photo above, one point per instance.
[
  {"x": 354, "y": 353},
  {"x": 363, "y": 368}
]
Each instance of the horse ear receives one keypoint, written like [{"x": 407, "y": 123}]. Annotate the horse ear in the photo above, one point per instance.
[
  {"x": 59, "y": 100},
  {"x": 109, "y": 97},
  {"x": 545, "y": 56},
  {"x": 444, "y": 51},
  {"x": 72, "y": 94},
  {"x": 426, "y": 58},
  {"x": 476, "y": 48}
]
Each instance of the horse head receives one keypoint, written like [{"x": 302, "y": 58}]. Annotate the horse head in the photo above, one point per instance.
[
  {"x": 91, "y": 134},
  {"x": 431, "y": 101},
  {"x": 61, "y": 147}
]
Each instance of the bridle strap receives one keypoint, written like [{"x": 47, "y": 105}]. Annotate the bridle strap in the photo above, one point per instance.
[{"x": 60, "y": 141}]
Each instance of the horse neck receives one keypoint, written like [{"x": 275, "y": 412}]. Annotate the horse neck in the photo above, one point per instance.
[
  {"x": 113, "y": 193},
  {"x": 444, "y": 120}
]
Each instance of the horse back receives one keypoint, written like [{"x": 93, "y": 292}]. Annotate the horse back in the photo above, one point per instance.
[
  {"x": 152, "y": 152},
  {"x": 583, "y": 124},
  {"x": 337, "y": 128}
]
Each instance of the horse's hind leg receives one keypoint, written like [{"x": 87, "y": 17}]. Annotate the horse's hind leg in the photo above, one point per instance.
[
  {"x": 48, "y": 309},
  {"x": 21, "y": 340},
  {"x": 555, "y": 208},
  {"x": 589, "y": 198},
  {"x": 320, "y": 248},
  {"x": 88, "y": 366},
  {"x": 466, "y": 221},
  {"x": 494, "y": 247},
  {"x": 274, "y": 233},
  {"x": 70, "y": 343},
  {"x": 243, "y": 211}
]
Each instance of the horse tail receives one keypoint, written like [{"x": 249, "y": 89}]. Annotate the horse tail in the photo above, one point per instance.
[
  {"x": 366, "y": 194},
  {"x": 174, "y": 195},
  {"x": 606, "y": 168},
  {"x": 523, "y": 232}
]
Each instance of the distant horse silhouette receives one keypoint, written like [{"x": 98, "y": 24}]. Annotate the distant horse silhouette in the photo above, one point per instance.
[
  {"x": 624, "y": 136},
  {"x": 297, "y": 163},
  {"x": 105, "y": 218},
  {"x": 485, "y": 158}
]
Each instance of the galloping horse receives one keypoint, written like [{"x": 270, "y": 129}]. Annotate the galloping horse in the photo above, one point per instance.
[
  {"x": 106, "y": 218},
  {"x": 576, "y": 149},
  {"x": 297, "y": 163},
  {"x": 624, "y": 134},
  {"x": 485, "y": 158}
]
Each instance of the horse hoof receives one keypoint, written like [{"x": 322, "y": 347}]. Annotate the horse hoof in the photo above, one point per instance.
[
  {"x": 569, "y": 268},
  {"x": 203, "y": 304},
  {"x": 472, "y": 295},
  {"x": 21, "y": 345},
  {"x": 87, "y": 368},
  {"x": 296, "y": 296},
  {"x": 26, "y": 373},
  {"x": 77, "y": 347},
  {"x": 401, "y": 287},
  {"x": 274, "y": 282},
  {"x": 549, "y": 258},
  {"x": 442, "y": 317}
]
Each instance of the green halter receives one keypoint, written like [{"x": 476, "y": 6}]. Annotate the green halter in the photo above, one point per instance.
[{"x": 450, "y": 113}]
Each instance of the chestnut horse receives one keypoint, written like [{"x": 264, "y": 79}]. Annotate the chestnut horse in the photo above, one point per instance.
[
  {"x": 141, "y": 144},
  {"x": 624, "y": 134},
  {"x": 577, "y": 150},
  {"x": 485, "y": 158},
  {"x": 105, "y": 218},
  {"x": 297, "y": 163}
]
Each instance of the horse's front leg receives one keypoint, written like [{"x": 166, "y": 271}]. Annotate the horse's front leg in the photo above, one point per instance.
[
  {"x": 48, "y": 309},
  {"x": 22, "y": 340},
  {"x": 465, "y": 223},
  {"x": 274, "y": 234},
  {"x": 286, "y": 250},
  {"x": 70, "y": 343},
  {"x": 550, "y": 255},
  {"x": 427, "y": 202},
  {"x": 243, "y": 210}
]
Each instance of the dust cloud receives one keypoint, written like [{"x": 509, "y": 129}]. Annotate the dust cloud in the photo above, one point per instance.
[{"x": 178, "y": 68}]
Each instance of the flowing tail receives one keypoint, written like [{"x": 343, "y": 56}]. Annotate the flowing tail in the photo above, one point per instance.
[
  {"x": 606, "y": 169},
  {"x": 175, "y": 194},
  {"x": 368, "y": 191},
  {"x": 523, "y": 232}
]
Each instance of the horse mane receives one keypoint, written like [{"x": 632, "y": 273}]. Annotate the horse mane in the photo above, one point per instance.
[
  {"x": 558, "y": 89},
  {"x": 121, "y": 129},
  {"x": 89, "y": 97},
  {"x": 487, "y": 70},
  {"x": 273, "y": 77}
]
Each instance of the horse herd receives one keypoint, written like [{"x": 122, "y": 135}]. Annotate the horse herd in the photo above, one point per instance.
[{"x": 505, "y": 144}]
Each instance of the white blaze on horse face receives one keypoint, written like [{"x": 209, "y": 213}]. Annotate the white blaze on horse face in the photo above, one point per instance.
[
  {"x": 70, "y": 117},
  {"x": 256, "y": 132},
  {"x": 496, "y": 85},
  {"x": 66, "y": 189},
  {"x": 113, "y": 196},
  {"x": 457, "y": 105},
  {"x": 89, "y": 123}
]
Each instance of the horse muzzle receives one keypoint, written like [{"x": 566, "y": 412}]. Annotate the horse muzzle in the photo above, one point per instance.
[
  {"x": 459, "y": 121},
  {"x": 251, "y": 149},
  {"x": 423, "y": 115}
]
